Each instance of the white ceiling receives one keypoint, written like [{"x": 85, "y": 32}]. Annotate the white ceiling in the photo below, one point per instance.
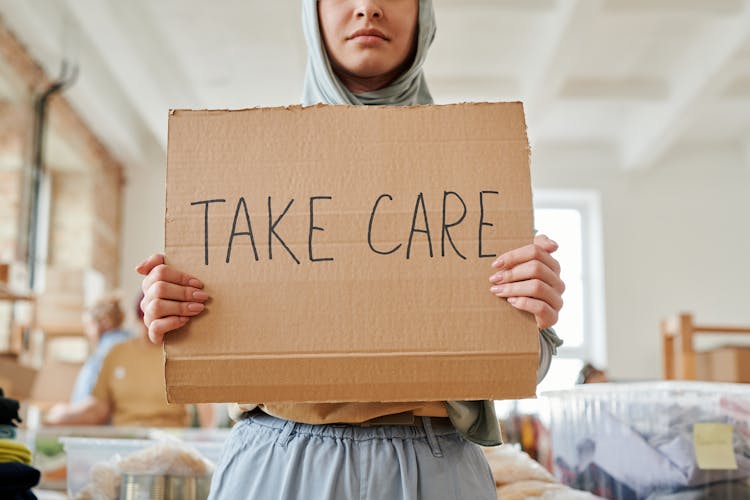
[{"x": 636, "y": 76}]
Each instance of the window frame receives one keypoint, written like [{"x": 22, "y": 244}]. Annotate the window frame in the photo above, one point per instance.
[{"x": 588, "y": 204}]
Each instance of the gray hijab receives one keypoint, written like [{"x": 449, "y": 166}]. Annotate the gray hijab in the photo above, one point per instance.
[{"x": 323, "y": 86}]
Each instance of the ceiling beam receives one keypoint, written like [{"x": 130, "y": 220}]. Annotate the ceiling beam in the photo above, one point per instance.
[
  {"x": 518, "y": 5},
  {"x": 136, "y": 53},
  {"x": 569, "y": 21},
  {"x": 707, "y": 69},
  {"x": 737, "y": 89},
  {"x": 628, "y": 89},
  {"x": 745, "y": 151},
  {"x": 720, "y": 7}
]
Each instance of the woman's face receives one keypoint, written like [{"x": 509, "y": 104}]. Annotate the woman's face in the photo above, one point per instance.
[{"x": 368, "y": 39}]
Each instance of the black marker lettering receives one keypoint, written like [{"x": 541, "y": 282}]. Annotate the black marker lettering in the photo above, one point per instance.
[
  {"x": 205, "y": 225},
  {"x": 369, "y": 227},
  {"x": 426, "y": 230},
  {"x": 249, "y": 231},
  {"x": 272, "y": 230},
  {"x": 445, "y": 231},
  {"x": 313, "y": 227},
  {"x": 482, "y": 223}
]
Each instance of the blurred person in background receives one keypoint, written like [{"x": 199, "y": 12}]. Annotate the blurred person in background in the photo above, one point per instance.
[
  {"x": 129, "y": 390},
  {"x": 102, "y": 325}
]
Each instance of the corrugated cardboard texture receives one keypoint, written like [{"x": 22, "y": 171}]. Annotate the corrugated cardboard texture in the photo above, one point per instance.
[{"x": 285, "y": 322}]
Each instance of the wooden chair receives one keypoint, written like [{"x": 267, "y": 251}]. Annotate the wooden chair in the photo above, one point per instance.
[{"x": 678, "y": 353}]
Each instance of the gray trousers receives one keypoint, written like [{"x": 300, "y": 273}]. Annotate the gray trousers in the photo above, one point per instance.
[{"x": 266, "y": 458}]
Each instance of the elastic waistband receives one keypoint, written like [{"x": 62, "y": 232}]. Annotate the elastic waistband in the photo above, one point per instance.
[{"x": 438, "y": 427}]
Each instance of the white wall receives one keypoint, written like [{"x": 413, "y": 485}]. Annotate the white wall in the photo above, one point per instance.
[
  {"x": 143, "y": 219},
  {"x": 676, "y": 238}
]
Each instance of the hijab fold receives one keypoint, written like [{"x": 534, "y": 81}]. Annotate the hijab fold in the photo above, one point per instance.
[{"x": 323, "y": 86}]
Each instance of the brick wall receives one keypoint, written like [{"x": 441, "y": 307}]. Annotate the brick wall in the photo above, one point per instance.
[
  {"x": 86, "y": 184},
  {"x": 10, "y": 199},
  {"x": 85, "y": 222}
]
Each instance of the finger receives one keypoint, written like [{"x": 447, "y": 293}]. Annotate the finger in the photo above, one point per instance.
[
  {"x": 530, "y": 270},
  {"x": 545, "y": 316},
  {"x": 170, "y": 291},
  {"x": 160, "y": 327},
  {"x": 149, "y": 263},
  {"x": 163, "y": 272},
  {"x": 158, "y": 309},
  {"x": 535, "y": 289},
  {"x": 525, "y": 254},
  {"x": 546, "y": 243}
]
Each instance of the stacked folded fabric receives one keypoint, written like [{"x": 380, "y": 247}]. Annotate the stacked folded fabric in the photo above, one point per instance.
[
  {"x": 13, "y": 451},
  {"x": 17, "y": 477}
]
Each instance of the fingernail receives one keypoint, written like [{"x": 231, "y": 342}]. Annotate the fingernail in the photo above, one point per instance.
[
  {"x": 184, "y": 319},
  {"x": 498, "y": 263},
  {"x": 195, "y": 283},
  {"x": 200, "y": 295},
  {"x": 195, "y": 307},
  {"x": 512, "y": 300},
  {"x": 497, "y": 277},
  {"x": 498, "y": 289}
]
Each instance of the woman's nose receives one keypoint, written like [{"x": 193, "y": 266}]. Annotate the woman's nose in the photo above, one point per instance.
[{"x": 369, "y": 9}]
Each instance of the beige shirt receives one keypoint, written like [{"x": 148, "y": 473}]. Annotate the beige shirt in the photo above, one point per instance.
[
  {"x": 342, "y": 413},
  {"x": 131, "y": 380},
  {"x": 464, "y": 417}
]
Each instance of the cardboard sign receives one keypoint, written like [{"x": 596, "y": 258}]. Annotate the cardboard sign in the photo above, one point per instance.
[{"x": 347, "y": 252}]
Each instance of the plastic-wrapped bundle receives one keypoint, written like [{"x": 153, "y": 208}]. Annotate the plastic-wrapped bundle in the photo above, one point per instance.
[
  {"x": 162, "y": 460},
  {"x": 634, "y": 440}
]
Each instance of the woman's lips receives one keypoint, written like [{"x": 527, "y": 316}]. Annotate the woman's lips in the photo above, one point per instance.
[{"x": 368, "y": 36}]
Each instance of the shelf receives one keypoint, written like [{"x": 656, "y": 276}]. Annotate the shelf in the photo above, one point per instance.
[{"x": 9, "y": 295}]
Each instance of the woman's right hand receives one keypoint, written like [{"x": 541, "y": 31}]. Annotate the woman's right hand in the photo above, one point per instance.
[{"x": 170, "y": 297}]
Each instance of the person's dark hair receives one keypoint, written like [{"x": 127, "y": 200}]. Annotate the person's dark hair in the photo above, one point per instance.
[{"x": 586, "y": 373}]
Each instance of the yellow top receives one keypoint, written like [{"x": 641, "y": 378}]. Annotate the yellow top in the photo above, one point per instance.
[{"x": 131, "y": 380}]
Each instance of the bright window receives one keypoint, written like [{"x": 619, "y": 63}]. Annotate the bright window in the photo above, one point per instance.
[{"x": 572, "y": 219}]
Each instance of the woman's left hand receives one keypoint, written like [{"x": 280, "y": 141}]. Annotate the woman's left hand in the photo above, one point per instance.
[{"x": 529, "y": 278}]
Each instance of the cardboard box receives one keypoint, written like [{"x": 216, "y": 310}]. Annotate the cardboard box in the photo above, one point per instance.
[
  {"x": 60, "y": 314},
  {"x": 86, "y": 284},
  {"x": 16, "y": 380},
  {"x": 55, "y": 380},
  {"x": 14, "y": 276},
  {"x": 347, "y": 252},
  {"x": 67, "y": 293},
  {"x": 724, "y": 364}
]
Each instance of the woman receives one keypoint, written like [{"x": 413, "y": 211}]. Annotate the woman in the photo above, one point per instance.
[{"x": 364, "y": 52}]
